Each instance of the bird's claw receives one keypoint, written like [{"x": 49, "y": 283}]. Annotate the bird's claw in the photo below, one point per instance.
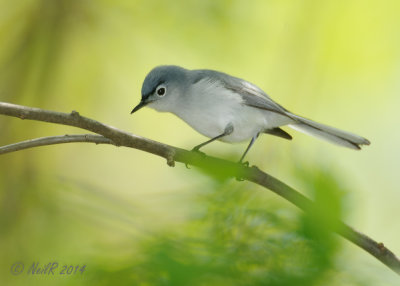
[
  {"x": 245, "y": 164},
  {"x": 196, "y": 150}
]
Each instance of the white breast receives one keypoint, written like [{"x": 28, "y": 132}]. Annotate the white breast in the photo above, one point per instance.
[{"x": 209, "y": 107}]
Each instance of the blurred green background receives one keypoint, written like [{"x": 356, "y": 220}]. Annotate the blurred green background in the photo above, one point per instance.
[{"x": 130, "y": 218}]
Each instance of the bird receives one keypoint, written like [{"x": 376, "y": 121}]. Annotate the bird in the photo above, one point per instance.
[{"x": 229, "y": 109}]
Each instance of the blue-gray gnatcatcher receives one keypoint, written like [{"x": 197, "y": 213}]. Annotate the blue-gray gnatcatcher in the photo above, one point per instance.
[{"x": 227, "y": 108}]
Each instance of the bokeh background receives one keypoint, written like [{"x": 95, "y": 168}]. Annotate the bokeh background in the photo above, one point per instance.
[{"x": 130, "y": 218}]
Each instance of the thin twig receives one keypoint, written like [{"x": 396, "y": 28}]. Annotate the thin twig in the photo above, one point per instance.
[
  {"x": 51, "y": 140},
  {"x": 112, "y": 135}
]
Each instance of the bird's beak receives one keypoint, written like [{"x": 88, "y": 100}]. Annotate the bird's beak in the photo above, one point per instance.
[{"x": 139, "y": 106}]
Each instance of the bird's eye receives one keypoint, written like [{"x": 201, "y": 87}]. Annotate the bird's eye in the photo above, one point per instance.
[{"x": 161, "y": 90}]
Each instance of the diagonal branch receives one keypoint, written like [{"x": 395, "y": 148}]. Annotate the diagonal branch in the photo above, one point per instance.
[{"x": 114, "y": 136}]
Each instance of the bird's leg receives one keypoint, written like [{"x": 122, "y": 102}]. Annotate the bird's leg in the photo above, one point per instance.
[
  {"x": 246, "y": 164},
  {"x": 228, "y": 130},
  {"x": 247, "y": 150}
]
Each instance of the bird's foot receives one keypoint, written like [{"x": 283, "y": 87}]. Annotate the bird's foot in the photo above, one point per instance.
[
  {"x": 244, "y": 164},
  {"x": 196, "y": 150}
]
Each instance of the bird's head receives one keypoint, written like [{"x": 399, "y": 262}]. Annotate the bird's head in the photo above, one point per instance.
[{"x": 162, "y": 87}]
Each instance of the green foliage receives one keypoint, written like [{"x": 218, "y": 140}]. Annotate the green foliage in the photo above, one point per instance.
[{"x": 238, "y": 238}]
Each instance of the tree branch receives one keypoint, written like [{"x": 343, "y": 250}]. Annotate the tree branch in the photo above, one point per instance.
[
  {"x": 114, "y": 136},
  {"x": 51, "y": 140}
]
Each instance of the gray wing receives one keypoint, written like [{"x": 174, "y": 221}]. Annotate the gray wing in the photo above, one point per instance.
[{"x": 252, "y": 95}]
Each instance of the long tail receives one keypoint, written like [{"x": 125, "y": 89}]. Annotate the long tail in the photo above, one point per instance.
[{"x": 328, "y": 133}]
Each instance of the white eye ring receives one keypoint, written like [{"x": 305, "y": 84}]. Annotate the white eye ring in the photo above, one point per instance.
[{"x": 161, "y": 90}]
